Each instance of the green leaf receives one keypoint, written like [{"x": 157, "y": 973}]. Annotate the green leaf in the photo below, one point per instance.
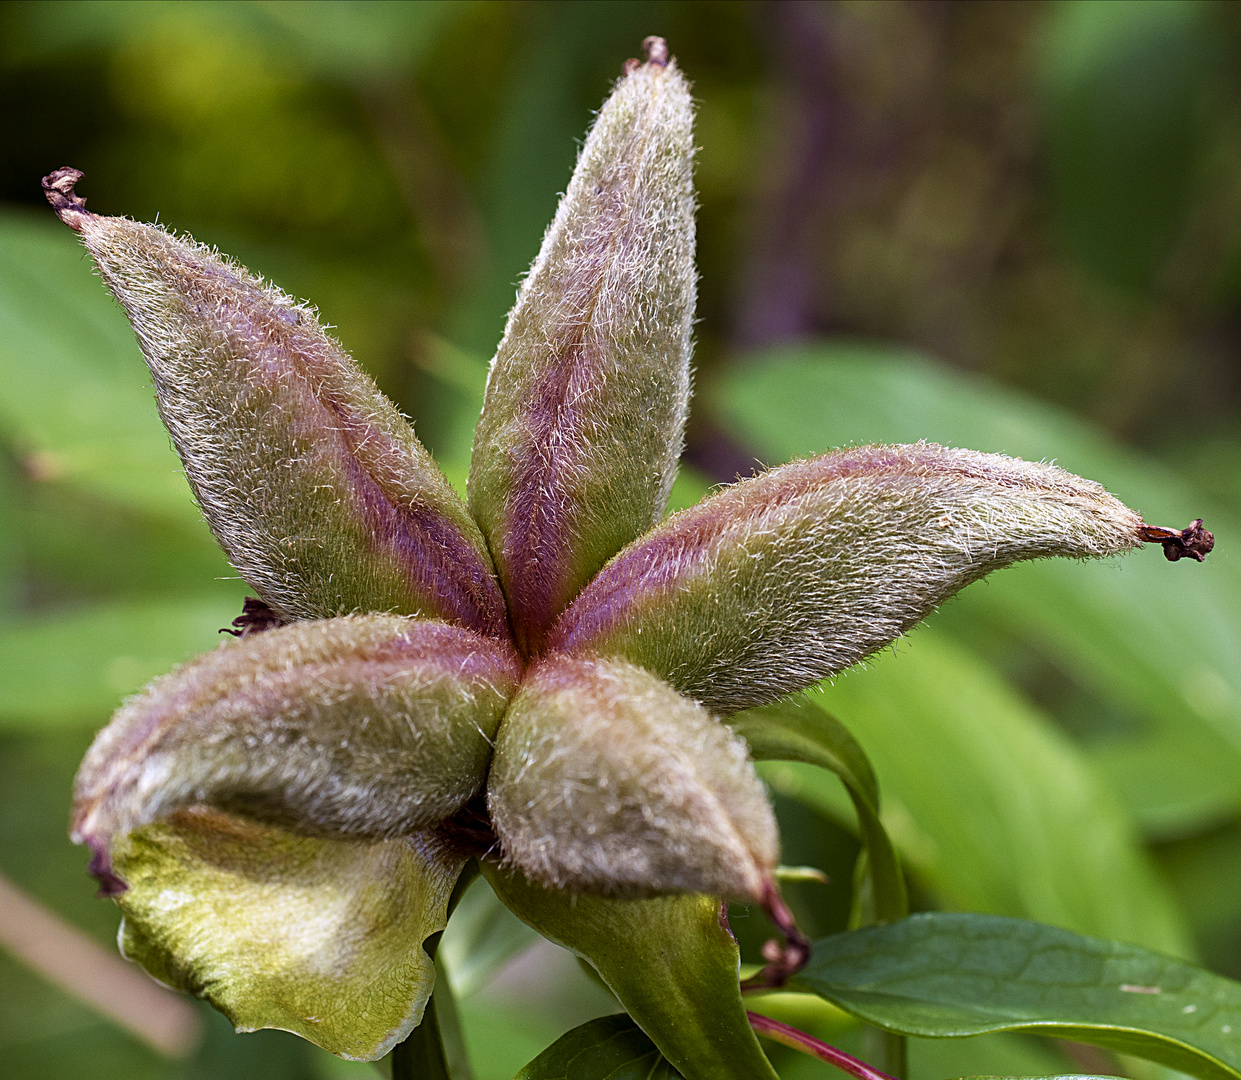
[
  {"x": 1162, "y": 641},
  {"x": 993, "y": 808},
  {"x": 482, "y": 936},
  {"x": 670, "y": 960},
  {"x": 74, "y": 393},
  {"x": 319, "y": 937},
  {"x": 610, "y": 1048},
  {"x": 944, "y": 975},
  {"x": 72, "y": 669},
  {"x": 1126, "y": 90},
  {"x": 800, "y": 730}
]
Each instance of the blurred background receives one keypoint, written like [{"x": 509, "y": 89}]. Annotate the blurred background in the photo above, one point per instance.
[{"x": 1013, "y": 226}]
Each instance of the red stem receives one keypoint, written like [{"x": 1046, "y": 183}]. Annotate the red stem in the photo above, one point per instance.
[{"x": 808, "y": 1044}]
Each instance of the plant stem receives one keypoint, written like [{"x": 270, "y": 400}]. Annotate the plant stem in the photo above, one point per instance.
[
  {"x": 421, "y": 1056},
  {"x": 887, "y": 1049},
  {"x": 808, "y": 1044}
]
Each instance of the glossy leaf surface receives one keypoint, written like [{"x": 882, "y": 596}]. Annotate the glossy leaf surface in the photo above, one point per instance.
[
  {"x": 610, "y": 1048},
  {"x": 945, "y": 975}
]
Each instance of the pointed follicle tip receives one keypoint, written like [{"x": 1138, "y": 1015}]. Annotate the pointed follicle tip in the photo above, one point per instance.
[
  {"x": 1193, "y": 542},
  {"x": 656, "y": 49},
  {"x": 70, "y": 207}
]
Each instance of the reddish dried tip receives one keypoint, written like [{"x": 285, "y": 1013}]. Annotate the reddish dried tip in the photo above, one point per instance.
[
  {"x": 656, "y": 49},
  {"x": 100, "y": 869},
  {"x": 255, "y": 617},
  {"x": 784, "y": 959},
  {"x": 1193, "y": 542},
  {"x": 68, "y": 204}
]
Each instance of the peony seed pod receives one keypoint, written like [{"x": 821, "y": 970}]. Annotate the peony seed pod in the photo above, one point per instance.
[
  {"x": 607, "y": 781},
  {"x": 585, "y": 409},
  {"x": 363, "y": 726},
  {"x": 780, "y": 581},
  {"x": 310, "y": 479}
]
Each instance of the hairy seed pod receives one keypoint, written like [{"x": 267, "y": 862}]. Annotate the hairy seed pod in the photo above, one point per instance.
[
  {"x": 607, "y": 781},
  {"x": 776, "y": 583},
  {"x": 366, "y": 726},
  {"x": 586, "y": 402},
  {"x": 310, "y": 479}
]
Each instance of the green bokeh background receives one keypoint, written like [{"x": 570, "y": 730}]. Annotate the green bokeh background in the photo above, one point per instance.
[{"x": 1009, "y": 225}]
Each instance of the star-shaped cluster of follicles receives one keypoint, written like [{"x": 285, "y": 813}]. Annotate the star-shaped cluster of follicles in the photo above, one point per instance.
[{"x": 541, "y": 678}]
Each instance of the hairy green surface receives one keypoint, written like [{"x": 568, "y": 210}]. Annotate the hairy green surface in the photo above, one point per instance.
[
  {"x": 319, "y": 937},
  {"x": 775, "y": 583},
  {"x": 288, "y": 445},
  {"x": 606, "y": 780},
  {"x": 371, "y": 725},
  {"x": 582, "y": 426}
]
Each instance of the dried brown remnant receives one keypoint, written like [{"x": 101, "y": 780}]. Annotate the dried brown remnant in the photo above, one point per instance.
[
  {"x": 255, "y": 617},
  {"x": 70, "y": 207},
  {"x": 1192, "y": 542}
]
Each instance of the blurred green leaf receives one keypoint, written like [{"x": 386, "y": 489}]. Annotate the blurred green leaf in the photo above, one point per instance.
[
  {"x": 610, "y": 1048},
  {"x": 1162, "y": 640},
  {"x": 74, "y": 393},
  {"x": 992, "y": 808},
  {"x": 798, "y": 729},
  {"x": 670, "y": 961},
  {"x": 950, "y": 975},
  {"x": 353, "y": 39},
  {"x": 482, "y": 936},
  {"x": 1125, "y": 86},
  {"x": 74, "y": 668}
]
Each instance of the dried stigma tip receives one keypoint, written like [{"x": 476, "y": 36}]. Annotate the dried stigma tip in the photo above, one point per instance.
[
  {"x": 255, "y": 617},
  {"x": 656, "y": 51},
  {"x": 784, "y": 959},
  {"x": 1193, "y": 542},
  {"x": 70, "y": 207}
]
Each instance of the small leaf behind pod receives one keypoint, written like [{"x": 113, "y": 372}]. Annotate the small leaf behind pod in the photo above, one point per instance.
[
  {"x": 671, "y": 961},
  {"x": 319, "y": 937},
  {"x": 606, "y": 780},
  {"x": 778, "y": 582},
  {"x": 311, "y": 480},
  {"x": 364, "y": 726},
  {"x": 582, "y": 425}
]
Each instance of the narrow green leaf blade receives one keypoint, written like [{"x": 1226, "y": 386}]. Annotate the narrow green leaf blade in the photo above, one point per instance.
[
  {"x": 988, "y": 804},
  {"x": 72, "y": 669},
  {"x": 947, "y": 975},
  {"x": 610, "y": 1048},
  {"x": 798, "y": 729},
  {"x": 670, "y": 960}
]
